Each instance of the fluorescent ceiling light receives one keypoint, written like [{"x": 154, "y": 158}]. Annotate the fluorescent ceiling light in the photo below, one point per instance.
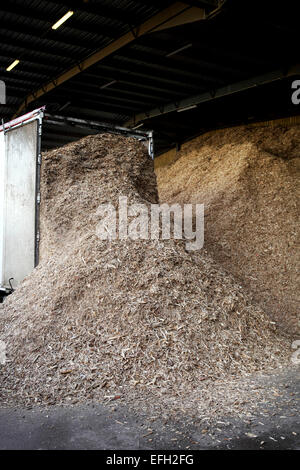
[
  {"x": 12, "y": 65},
  {"x": 62, "y": 20},
  {"x": 108, "y": 84},
  {"x": 187, "y": 108},
  {"x": 139, "y": 125},
  {"x": 179, "y": 50},
  {"x": 65, "y": 105}
]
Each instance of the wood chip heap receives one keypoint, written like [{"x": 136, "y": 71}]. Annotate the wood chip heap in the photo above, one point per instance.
[
  {"x": 97, "y": 318},
  {"x": 248, "y": 180}
]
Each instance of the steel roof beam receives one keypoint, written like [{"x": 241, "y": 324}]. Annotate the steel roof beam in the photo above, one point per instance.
[
  {"x": 150, "y": 25},
  {"x": 213, "y": 94}
]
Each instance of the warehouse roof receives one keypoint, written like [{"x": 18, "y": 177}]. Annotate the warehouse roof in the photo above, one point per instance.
[{"x": 146, "y": 78}]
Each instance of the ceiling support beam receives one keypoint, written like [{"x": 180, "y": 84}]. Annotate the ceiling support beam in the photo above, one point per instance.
[
  {"x": 213, "y": 94},
  {"x": 163, "y": 19}
]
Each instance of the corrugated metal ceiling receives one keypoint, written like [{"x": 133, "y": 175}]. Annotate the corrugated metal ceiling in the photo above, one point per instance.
[{"x": 241, "y": 42}]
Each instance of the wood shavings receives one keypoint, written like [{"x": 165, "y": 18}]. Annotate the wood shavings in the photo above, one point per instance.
[
  {"x": 248, "y": 180},
  {"x": 150, "y": 329}
]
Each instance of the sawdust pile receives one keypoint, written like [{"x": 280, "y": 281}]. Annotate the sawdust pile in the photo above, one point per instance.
[
  {"x": 99, "y": 318},
  {"x": 248, "y": 179}
]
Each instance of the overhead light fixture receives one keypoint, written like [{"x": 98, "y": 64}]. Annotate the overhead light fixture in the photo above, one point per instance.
[
  {"x": 108, "y": 84},
  {"x": 12, "y": 65},
  {"x": 186, "y": 108},
  {"x": 63, "y": 19},
  {"x": 187, "y": 46},
  {"x": 65, "y": 105},
  {"x": 139, "y": 125}
]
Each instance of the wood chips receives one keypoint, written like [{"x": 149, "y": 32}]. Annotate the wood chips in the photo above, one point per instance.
[
  {"x": 248, "y": 179},
  {"x": 101, "y": 319}
]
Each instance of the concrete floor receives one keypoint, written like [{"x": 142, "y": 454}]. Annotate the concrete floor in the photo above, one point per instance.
[{"x": 95, "y": 426}]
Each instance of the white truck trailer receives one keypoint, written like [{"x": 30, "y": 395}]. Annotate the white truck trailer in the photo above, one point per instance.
[{"x": 20, "y": 160}]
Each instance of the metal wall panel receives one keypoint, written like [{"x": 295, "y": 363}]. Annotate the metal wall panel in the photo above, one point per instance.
[
  {"x": 2, "y": 191},
  {"x": 18, "y": 167}
]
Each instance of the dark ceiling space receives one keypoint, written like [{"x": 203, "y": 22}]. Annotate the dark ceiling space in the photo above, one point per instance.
[{"x": 136, "y": 83}]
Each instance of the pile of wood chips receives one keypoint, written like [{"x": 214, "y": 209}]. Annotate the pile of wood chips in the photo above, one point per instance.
[
  {"x": 97, "y": 319},
  {"x": 248, "y": 179}
]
